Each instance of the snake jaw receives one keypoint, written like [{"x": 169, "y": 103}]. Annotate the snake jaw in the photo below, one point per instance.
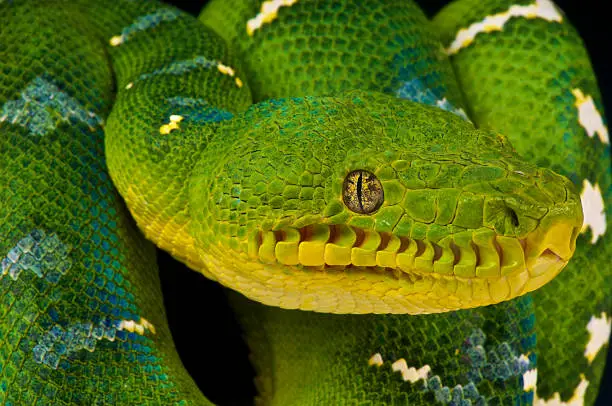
[
  {"x": 330, "y": 263},
  {"x": 524, "y": 264}
]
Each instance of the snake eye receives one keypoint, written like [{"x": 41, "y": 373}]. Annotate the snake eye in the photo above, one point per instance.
[{"x": 362, "y": 192}]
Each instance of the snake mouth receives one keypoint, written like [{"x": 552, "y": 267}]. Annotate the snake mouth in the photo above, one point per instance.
[
  {"x": 548, "y": 250},
  {"x": 527, "y": 263}
]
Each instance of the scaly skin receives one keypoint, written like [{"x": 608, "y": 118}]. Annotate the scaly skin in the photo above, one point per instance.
[
  {"x": 74, "y": 265},
  {"x": 255, "y": 198},
  {"x": 456, "y": 199},
  {"x": 546, "y": 130}
]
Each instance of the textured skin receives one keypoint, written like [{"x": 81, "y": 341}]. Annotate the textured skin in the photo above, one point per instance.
[
  {"x": 222, "y": 225},
  {"x": 551, "y": 137},
  {"x": 474, "y": 355},
  {"x": 70, "y": 278},
  {"x": 73, "y": 263}
]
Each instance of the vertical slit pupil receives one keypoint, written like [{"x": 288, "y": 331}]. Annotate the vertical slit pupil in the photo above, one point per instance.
[{"x": 359, "y": 189}]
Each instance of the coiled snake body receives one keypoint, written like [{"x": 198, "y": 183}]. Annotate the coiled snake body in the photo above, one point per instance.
[{"x": 321, "y": 158}]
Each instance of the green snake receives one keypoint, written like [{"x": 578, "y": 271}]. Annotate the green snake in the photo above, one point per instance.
[{"x": 383, "y": 192}]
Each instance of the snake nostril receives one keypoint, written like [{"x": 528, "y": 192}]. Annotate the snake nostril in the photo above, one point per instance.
[{"x": 513, "y": 217}]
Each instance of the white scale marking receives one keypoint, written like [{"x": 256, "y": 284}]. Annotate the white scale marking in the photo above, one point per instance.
[
  {"x": 589, "y": 117},
  {"x": 375, "y": 359},
  {"x": 544, "y": 9},
  {"x": 410, "y": 374},
  {"x": 576, "y": 400},
  {"x": 166, "y": 129},
  {"x": 268, "y": 13},
  {"x": 593, "y": 210},
  {"x": 530, "y": 379},
  {"x": 136, "y": 327},
  {"x": 599, "y": 330}
]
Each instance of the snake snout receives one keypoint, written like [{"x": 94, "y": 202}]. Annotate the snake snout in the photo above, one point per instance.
[{"x": 550, "y": 247}]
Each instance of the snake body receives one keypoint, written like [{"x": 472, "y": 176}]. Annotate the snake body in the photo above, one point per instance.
[{"x": 381, "y": 214}]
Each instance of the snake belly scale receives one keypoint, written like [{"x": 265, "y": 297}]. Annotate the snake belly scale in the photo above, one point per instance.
[{"x": 406, "y": 211}]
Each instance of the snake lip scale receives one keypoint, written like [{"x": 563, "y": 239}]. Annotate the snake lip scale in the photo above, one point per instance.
[{"x": 333, "y": 248}]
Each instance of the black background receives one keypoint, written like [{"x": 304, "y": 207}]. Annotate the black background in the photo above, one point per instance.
[{"x": 205, "y": 331}]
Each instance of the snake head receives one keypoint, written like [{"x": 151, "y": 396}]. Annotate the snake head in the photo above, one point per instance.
[{"x": 363, "y": 203}]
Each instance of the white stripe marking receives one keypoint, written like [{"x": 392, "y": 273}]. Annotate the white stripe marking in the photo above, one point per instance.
[
  {"x": 375, "y": 359},
  {"x": 576, "y": 400},
  {"x": 268, "y": 13},
  {"x": 599, "y": 330},
  {"x": 410, "y": 374},
  {"x": 530, "y": 379},
  {"x": 593, "y": 210},
  {"x": 544, "y": 9},
  {"x": 589, "y": 117},
  {"x": 136, "y": 327}
]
